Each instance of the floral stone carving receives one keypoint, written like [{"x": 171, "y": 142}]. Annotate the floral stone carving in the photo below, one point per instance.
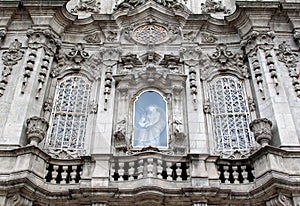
[
  {"x": 262, "y": 131},
  {"x": 36, "y": 129}
]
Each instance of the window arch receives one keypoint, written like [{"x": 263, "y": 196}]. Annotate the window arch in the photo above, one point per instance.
[
  {"x": 150, "y": 120},
  {"x": 69, "y": 115},
  {"x": 230, "y": 116}
]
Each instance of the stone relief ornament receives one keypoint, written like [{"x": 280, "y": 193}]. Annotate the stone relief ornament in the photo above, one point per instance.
[
  {"x": 77, "y": 54},
  {"x": 120, "y": 136},
  {"x": 111, "y": 36},
  {"x": 84, "y": 8},
  {"x": 132, "y": 4},
  {"x": 17, "y": 200},
  {"x": 92, "y": 38},
  {"x": 208, "y": 38},
  {"x": 10, "y": 58},
  {"x": 189, "y": 35},
  {"x": 224, "y": 60},
  {"x": 150, "y": 34},
  {"x": 213, "y": 6},
  {"x": 290, "y": 60},
  {"x": 281, "y": 200},
  {"x": 2, "y": 34}
]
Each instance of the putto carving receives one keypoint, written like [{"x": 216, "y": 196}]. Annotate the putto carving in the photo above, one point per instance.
[
  {"x": 280, "y": 200},
  {"x": 10, "y": 58},
  {"x": 2, "y": 34},
  {"x": 213, "y": 6},
  {"x": 261, "y": 129},
  {"x": 208, "y": 38},
  {"x": 223, "y": 60},
  {"x": 36, "y": 129},
  {"x": 120, "y": 136},
  {"x": 288, "y": 57},
  {"x": 87, "y": 6}
]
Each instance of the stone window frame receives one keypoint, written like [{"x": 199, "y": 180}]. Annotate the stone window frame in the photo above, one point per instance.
[
  {"x": 91, "y": 115},
  {"x": 233, "y": 154}
]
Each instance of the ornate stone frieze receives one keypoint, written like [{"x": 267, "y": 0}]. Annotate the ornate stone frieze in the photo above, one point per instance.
[
  {"x": 214, "y": 6},
  {"x": 10, "y": 58},
  {"x": 208, "y": 38},
  {"x": 223, "y": 60},
  {"x": 132, "y": 4},
  {"x": 280, "y": 200},
  {"x": 18, "y": 200},
  {"x": 290, "y": 60},
  {"x": 262, "y": 130},
  {"x": 36, "y": 129}
]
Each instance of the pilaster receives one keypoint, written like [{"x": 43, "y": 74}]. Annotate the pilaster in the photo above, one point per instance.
[
  {"x": 272, "y": 99},
  {"x": 28, "y": 95}
]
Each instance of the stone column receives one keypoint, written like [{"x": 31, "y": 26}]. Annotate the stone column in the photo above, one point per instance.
[
  {"x": 269, "y": 88},
  {"x": 28, "y": 95}
]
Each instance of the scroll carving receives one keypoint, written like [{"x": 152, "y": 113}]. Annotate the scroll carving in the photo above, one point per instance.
[
  {"x": 281, "y": 200},
  {"x": 18, "y": 200},
  {"x": 289, "y": 58},
  {"x": 10, "y": 58}
]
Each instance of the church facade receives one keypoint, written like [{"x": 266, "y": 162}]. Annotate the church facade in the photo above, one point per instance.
[{"x": 150, "y": 102}]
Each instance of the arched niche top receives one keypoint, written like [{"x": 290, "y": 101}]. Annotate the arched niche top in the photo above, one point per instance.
[{"x": 150, "y": 126}]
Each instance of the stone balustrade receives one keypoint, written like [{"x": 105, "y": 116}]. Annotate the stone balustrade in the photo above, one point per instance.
[
  {"x": 152, "y": 166},
  {"x": 235, "y": 172},
  {"x": 63, "y": 173}
]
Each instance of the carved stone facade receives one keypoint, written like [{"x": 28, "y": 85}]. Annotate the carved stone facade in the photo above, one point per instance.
[{"x": 149, "y": 102}]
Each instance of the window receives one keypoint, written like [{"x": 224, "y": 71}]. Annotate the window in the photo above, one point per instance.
[
  {"x": 69, "y": 115},
  {"x": 150, "y": 120},
  {"x": 230, "y": 116}
]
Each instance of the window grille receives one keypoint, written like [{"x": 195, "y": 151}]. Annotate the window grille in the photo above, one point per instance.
[
  {"x": 69, "y": 115},
  {"x": 230, "y": 116}
]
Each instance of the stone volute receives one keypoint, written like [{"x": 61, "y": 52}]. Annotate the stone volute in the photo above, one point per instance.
[
  {"x": 36, "y": 129},
  {"x": 262, "y": 131}
]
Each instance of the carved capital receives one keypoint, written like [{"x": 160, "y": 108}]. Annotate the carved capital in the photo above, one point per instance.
[
  {"x": 262, "y": 130},
  {"x": 43, "y": 38},
  {"x": 36, "y": 129},
  {"x": 258, "y": 39}
]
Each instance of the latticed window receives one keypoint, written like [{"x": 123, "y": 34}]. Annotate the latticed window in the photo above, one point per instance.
[
  {"x": 230, "y": 116},
  {"x": 69, "y": 115}
]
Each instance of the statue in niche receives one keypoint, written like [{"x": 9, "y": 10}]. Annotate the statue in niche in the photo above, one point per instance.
[{"x": 150, "y": 121}]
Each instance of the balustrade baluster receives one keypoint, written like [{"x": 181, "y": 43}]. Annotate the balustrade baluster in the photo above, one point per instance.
[
  {"x": 64, "y": 174},
  {"x": 131, "y": 171},
  {"x": 54, "y": 173},
  {"x": 121, "y": 171},
  {"x": 141, "y": 169},
  {"x": 150, "y": 167},
  {"x": 73, "y": 174},
  {"x": 245, "y": 174},
  {"x": 169, "y": 171},
  {"x": 178, "y": 171},
  {"x": 159, "y": 169},
  {"x": 112, "y": 166},
  {"x": 226, "y": 174},
  {"x": 235, "y": 174}
]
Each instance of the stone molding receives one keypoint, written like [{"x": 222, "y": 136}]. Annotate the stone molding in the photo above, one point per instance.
[
  {"x": 280, "y": 200},
  {"x": 18, "y": 200}
]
